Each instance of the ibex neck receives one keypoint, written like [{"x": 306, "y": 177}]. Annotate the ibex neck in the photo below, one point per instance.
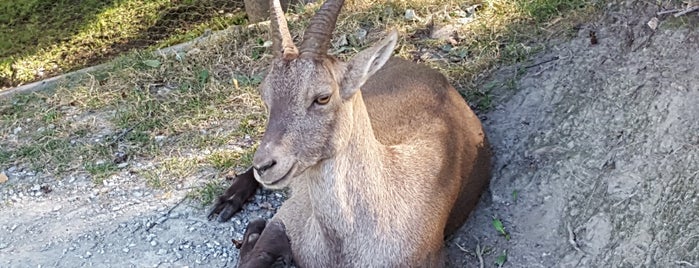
[{"x": 347, "y": 189}]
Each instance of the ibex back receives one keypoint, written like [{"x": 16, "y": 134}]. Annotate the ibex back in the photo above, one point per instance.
[{"x": 383, "y": 156}]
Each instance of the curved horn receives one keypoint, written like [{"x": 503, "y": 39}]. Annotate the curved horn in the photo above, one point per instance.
[
  {"x": 316, "y": 39},
  {"x": 282, "y": 44}
]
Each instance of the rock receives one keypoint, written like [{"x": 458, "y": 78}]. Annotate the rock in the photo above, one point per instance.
[
  {"x": 411, "y": 15},
  {"x": 3, "y": 178},
  {"x": 653, "y": 23},
  {"x": 160, "y": 138},
  {"x": 446, "y": 33},
  {"x": 341, "y": 41},
  {"x": 120, "y": 157},
  {"x": 358, "y": 38}
]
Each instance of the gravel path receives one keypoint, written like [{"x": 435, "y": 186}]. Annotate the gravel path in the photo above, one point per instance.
[{"x": 72, "y": 223}]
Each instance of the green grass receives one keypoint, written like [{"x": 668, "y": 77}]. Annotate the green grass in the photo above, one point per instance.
[
  {"x": 543, "y": 10},
  {"x": 41, "y": 38},
  {"x": 226, "y": 160},
  {"x": 207, "y": 193},
  {"x": 100, "y": 170}
]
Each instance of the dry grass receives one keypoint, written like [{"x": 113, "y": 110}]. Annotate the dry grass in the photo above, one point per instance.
[{"x": 168, "y": 119}]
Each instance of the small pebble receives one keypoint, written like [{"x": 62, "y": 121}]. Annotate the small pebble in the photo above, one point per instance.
[{"x": 125, "y": 250}]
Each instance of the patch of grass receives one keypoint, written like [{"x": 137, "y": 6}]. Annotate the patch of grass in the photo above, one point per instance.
[
  {"x": 170, "y": 171},
  {"x": 100, "y": 170},
  {"x": 154, "y": 179},
  {"x": 543, "y": 10},
  {"x": 501, "y": 259},
  {"x": 41, "y": 38},
  {"x": 483, "y": 100},
  {"x": 19, "y": 107},
  {"x": 4, "y": 156},
  {"x": 252, "y": 125},
  {"x": 672, "y": 22},
  {"x": 48, "y": 151},
  {"x": 225, "y": 160},
  {"x": 207, "y": 193}
]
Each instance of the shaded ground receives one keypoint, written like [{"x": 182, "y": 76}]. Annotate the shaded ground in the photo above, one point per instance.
[
  {"x": 595, "y": 150},
  {"x": 597, "y": 153}
]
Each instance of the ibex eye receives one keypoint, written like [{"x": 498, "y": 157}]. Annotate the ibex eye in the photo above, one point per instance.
[{"x": 322, "y": 100}]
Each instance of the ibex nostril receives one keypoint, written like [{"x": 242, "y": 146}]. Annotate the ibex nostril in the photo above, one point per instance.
[{"x": 262, "y": 168}]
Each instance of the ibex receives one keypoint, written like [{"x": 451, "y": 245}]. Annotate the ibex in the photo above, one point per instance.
[{"x": 383, "y": 157}]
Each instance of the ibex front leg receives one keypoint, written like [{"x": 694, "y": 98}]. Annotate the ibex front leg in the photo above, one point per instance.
[
  {"x": 264, "y": 245},
  {"x": 242, "y": 187}
]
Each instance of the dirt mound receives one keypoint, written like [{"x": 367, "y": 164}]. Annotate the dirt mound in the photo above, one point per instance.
[{"x": 597, "y": 153}]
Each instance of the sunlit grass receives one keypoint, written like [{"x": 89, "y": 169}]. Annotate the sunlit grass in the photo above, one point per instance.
[{"x": 41, "y": 38}]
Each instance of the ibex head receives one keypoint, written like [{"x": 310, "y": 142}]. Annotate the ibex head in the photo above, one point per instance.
[{"x": 310, "y": 96}]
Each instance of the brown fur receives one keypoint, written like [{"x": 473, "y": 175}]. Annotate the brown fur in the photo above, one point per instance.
[{"x": 379, "y": 176}]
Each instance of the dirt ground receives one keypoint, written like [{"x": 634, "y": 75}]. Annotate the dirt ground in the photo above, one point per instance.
[
  {"x": 596, "y": 165},
  {"x": 597, "y": 153}
]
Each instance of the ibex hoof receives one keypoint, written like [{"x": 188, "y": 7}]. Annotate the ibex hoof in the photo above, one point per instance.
[
  {"x": 265, "y": 244},
  {"x": 242, "y": 187}
]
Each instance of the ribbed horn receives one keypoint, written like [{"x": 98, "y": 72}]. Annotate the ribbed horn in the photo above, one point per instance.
[
  {"x": 282, "y": 44},
  {"x": 316, "y": 39}
]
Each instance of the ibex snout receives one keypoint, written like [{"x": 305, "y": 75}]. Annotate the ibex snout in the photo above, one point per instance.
[
  {"x": 272, "y": 169},
  {"x": 267, "y": 164}
]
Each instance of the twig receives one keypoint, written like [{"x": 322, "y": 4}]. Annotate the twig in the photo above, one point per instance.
[
  {"x": 685, "y": 263},
  {"x": 123, "y": 134},
  {"x": 167, "y": 214},
  {"x": 571, "y": 239},
  {"x": 688, "y": 10},
  {"x": 642, "y": 44},
  {"x": 542, "y": 62},
  {"x": 461, "y": 247},
  {"x": 479, "y": 253},
  {"x": 669, "y": 11},
  {"x": 542, "y": 70}
]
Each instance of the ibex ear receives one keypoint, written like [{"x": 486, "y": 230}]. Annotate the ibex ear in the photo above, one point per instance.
[{"x": 366, "y": 63}]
